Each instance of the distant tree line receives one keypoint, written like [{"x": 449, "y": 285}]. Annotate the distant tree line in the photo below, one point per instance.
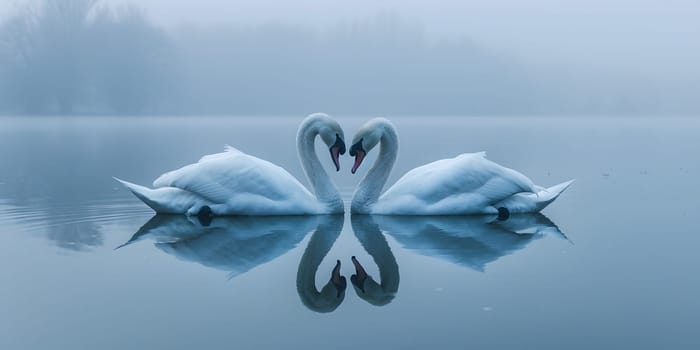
[
  {"x": 66, "y": 56},
  {"x": 81, "y": 56}
]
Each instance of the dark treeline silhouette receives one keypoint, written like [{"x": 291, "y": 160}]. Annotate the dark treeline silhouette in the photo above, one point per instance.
[{"x": 78, "y": 56}]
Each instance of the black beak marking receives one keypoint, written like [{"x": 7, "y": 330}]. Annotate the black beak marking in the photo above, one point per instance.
[
  {"x": 336, "y": 150},
  {"x": 340, "y": 144},
  {"x": 356, "y": 147}
]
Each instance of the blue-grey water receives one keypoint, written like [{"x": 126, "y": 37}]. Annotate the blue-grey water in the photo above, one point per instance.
[{"x": 611, "y": 264}]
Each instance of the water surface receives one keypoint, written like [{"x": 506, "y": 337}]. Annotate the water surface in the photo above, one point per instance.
[{"x": 612, "y": 263}]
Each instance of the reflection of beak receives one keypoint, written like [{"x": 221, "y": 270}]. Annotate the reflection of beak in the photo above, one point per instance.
[
  {"x": 359, "y": 156},
  {"x": 360, "y": 275},
  {"x": 338, "y": 280}
]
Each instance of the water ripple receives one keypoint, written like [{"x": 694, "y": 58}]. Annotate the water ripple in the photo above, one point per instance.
[{"x": 75, "y": 226}]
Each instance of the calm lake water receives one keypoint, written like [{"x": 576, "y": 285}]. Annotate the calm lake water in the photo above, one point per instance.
[{"x": 611, "y": 264}]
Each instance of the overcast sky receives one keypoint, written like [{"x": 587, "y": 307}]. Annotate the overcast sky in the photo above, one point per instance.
[{"x": 652, "y": 37}]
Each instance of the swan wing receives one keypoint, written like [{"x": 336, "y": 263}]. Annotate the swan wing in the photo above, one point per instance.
[
  {"x": 230, "y": 175},
  {"x": 467, "y": 183},
  {"x": 228, "y": 151},
  {"x": 166, "y": 179}
]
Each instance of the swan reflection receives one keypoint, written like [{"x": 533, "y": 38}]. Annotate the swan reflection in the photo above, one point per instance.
[
  {"x": 332, "y": 293},
  {"x": 471, "y": 241},
  {"x": 370, "y": 236},
  {"x": 238, "y": 244},
  {"x": 233, "y": 244}
]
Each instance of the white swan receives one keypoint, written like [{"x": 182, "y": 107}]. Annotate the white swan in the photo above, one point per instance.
[
  {"x": 234, "y": 183},
  {"x": 464, "y": 185}
]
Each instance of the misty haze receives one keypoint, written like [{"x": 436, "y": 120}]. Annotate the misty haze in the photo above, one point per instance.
[
  {"x": 371, "y": 174},
  {"x": 92, "y": 57}
]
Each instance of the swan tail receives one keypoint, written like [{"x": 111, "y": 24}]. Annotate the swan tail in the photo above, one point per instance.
[
  {"x": 532, "y": 202},
  {"x": 556, "y": 190},
  {"x": 145, "y": 194},
  {"x": 548, "y": 195},
  {"x": 164, "y": 200}
]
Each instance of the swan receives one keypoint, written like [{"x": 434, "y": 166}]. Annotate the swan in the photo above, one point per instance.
[
  {"x": 332, "y": 293},
  {"x": 235, "y": 183},
  {"x": 464, "y": 185}
]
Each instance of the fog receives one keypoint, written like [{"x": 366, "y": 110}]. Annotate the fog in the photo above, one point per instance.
[{"x": 363, "y": 57}]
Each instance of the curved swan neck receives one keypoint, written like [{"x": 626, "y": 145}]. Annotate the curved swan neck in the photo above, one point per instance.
[
  {"x": 370, "y": 188},
  {"x": 321, "y": 183}
]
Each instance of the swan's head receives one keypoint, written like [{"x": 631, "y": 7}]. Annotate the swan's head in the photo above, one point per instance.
[
  {"x": 368, "y": 289},
  {"x": 332, "y": 135},
  {"x": 366, "y": 139},
  {"x": 360, "y": 276}
]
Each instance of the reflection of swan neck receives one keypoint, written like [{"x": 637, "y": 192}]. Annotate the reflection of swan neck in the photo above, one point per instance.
[
  {"x": 332, "y": 293},
  {"x": 320, "y": 182},
  {"x": 374, "y": 242},
  {"x": 371, "y": 186}
]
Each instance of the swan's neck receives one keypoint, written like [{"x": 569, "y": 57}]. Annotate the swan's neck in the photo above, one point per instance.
[
  {"x": 370, "y": 188},
  {"x": 321, "y": 183}
]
